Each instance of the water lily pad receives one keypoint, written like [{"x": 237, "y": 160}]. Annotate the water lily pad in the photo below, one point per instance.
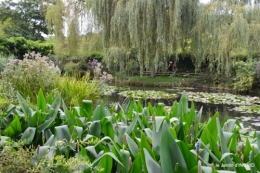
[
  {"x": 254, "y": 109},
  {"x": 150, "y": 94},
  {"x": 222, "y": 98},
  {"x": 256, "y": 124},
  {"x": 246, "y": 119},
  {"x": 109, "y": 90}
]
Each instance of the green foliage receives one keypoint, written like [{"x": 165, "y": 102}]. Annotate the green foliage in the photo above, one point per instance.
[
  {"x": 28, "y": 76},
  {"x": 130, "y": 137},
  {"x": 116, "y": 56},
  {"x": 75, "y": 89},
  {"x": 3, "y": 60},
  {"x": 27, "y": 18},
  {"x": 215, "y": 35},
  {"x": 17, "y": 157},
  {"x": 98, "y": 55},
  {"x": 71, "y": 68},
  {"x": 258, "y": 70},
  {"x": 73, "y": 38},
  {"x": 18, "y": 46},
  {"x": 91, "y": 46},
  {"x": 245, "y": 75}
]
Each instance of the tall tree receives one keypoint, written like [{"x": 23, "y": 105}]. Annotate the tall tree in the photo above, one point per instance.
[
  {"x": 216, "y": 33},
  {"x": 27, "y": 18},
  {"x": 155, "y": 28},
  {"x": 226, "y": 29},
  {"x": 64, "y": 19}
]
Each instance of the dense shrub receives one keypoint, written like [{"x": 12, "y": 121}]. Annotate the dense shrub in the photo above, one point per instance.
[
  {"x": 18, "y": 46},
  {"x": 70, "y": 68},
  {"x": 15, "y": 157},
  {"x": 3, "y": 60},
  {"x": 245, "y": 75},
  {"x": 28, "y": 76},
  {"x": 75, "y": 89},
  {"x": 96, "y": 55}
]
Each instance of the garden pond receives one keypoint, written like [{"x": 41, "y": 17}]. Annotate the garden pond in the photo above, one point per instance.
[{"x": 244, "y": 108}]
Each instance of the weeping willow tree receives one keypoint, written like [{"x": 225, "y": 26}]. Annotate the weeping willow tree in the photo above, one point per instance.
[
  {"x": 54, "y": 18},
  {"x": 215, "y": 33},
  {"x": 90, "y": 43},
  {"x": 154, "y": 28},
  {"x": 224, "y": 30},
  {"x": 64, "y": 18}
]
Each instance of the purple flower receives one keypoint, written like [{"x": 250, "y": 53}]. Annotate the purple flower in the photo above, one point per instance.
[{"x": 197, "y": 145}]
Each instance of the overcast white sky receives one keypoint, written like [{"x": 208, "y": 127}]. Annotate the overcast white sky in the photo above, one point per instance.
[{"x": 204, "y": 1}]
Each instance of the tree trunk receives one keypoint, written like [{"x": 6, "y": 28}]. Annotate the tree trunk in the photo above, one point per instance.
[{"x": 152, "y": 70}]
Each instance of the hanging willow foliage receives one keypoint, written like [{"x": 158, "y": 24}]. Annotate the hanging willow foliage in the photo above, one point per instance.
[
  {"x": 54, "y": 18},
  {"x": 215, "y": 33},
  {"x": 154, "y": 28},
  {"x": 224, "y": 30}
]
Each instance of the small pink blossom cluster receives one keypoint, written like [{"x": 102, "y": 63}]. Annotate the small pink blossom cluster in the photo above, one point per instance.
[
  {"x": 106, "y": 77},
  {"x": 103, "y": 76},
  {"x": 97, "y": 70},
  {"x": 29, "y": 75}
]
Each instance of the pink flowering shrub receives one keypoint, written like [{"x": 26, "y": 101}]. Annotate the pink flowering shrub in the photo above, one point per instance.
[
  {"x": 103, "y": 76},
  {"x": 28, "y": 75},
  {"x": 106, "y": 77}
]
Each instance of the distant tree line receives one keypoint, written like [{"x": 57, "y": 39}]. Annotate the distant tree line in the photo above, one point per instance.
[{"x": 18, "y": 46}]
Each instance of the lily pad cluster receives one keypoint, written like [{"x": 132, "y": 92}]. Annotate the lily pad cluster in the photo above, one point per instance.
[
  {"x": 150, "y": 94},
  {"x": 109, "y": 90},
  {"x": 221, "y": 98},
  {"x": 254, "y": 109},
  {"x": 253, "y": 120}
]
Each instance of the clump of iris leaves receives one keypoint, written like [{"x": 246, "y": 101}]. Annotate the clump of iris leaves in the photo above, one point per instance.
[{"x": 132, "y": 138}]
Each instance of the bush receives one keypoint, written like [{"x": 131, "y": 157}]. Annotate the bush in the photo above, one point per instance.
[
  {"x": 28, "y": 76},
  {"x": 16, "y": 157},
  {"x": 70, "y": 68},
  {"x": 245, "y": 75},
  {"x": 3, "y": 60},
  {"x": 96, "y": 55},
  {"x": 18, "y": 46},
  {"x": 75, "y": 89}
]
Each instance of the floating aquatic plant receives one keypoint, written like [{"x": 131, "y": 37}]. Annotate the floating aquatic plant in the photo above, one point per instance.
[
  {"x": 109, "y": 90},
  {"x": 221, "y": 98},
  {"x": 151, "y": 94},
  {"x": 254, "y": 109}
]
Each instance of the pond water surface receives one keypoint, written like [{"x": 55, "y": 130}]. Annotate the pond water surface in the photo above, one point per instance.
[{"x": 248, "y": 120}]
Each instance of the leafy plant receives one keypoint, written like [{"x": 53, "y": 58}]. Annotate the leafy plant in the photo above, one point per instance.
[
  {"x": 17, "y": 157},
  {"x": 130, "y": 138},
  {"x": 245, "y": 75},
  {"x": 14, "y": 158},
  {"x": 70, "y": 68},
  {"x": 75, "y": 89},
  {"x": 28, "y": 76}
]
